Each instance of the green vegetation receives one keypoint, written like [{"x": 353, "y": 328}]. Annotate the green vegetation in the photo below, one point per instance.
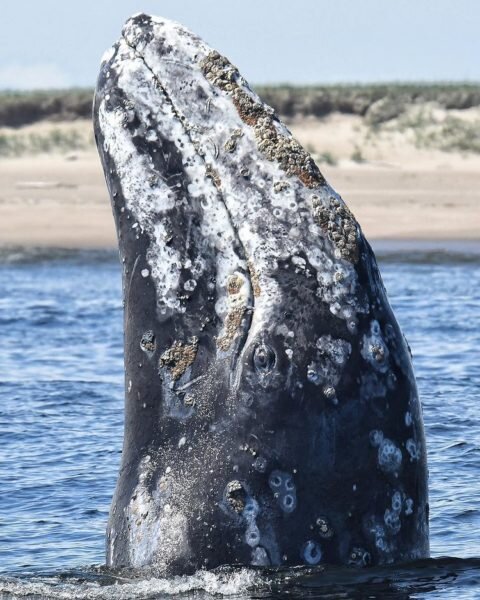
[
  {"x": 357, "y": 155},
  {"x": 431, "y": 128},
  {"x": 326, "y": 158},
  {"x": 23, "y": 108},
  {"x": 377, "y": 102},
  {"x": 54, "y": 140},
  {"x": 417, "y": 110},
  {"x": 458, "y": 135}
]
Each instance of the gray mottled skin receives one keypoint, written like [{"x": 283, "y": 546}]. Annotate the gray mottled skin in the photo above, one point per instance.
[{"x": 272, "y": 416}]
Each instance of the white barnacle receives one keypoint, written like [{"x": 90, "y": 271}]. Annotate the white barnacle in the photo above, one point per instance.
[
  {"x": 330, "y": 393},
  {"x": 190, "y": 285},
  {"x": 331, "y": 357},
  {"x": 397, "y": 502},
  {"x": 299, "y": 262},
  {"x": 374, "y": 350},
  {"x": 413, "y": 449},
  {"x": 376, "y": 437},
  {"x": 389, "y": 456}
]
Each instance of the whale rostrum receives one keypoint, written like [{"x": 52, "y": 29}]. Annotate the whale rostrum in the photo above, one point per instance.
[{"x": 271, "y": 411}]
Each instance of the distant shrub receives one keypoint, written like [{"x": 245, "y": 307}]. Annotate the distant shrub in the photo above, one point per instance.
[
  {"x": 382, "y": 101},
  {"x": 458, "y": 135},
  {"x": 357, "y": 155},
  {"x": 327, "y": 158},
  {"x": 57, "y": 140},
  {"x": 385, "y": 109}
]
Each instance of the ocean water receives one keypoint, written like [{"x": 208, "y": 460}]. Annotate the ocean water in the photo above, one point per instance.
[{"x": 61, "y": 411}]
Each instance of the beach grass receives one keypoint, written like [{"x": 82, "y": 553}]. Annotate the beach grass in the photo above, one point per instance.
[
  {"x": 379, "y": 102},
  {"x": 441, "y": 116}
]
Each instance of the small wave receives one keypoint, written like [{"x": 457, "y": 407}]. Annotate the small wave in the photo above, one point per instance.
[
  {"x": 454, "y": 578},
  {"x": 205, "y": 584},
  {"x": 387, "y": 251},
  {"x": 23, "y": 255},
  {"x": 424, "y": 252}
]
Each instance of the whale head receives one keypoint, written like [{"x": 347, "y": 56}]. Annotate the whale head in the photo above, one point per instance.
[{"x": 257, "y": 330}]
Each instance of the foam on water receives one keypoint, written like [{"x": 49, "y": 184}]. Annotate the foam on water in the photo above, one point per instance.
[
  {"x": 234, "y": 583},
  {"x": 441, "y": 578}
]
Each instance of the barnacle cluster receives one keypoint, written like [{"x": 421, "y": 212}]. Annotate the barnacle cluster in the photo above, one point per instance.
[
  {"x": 338, "y": 222},
  {"x": 274, "y": 144},
  {"x": 236, "y": 311},
  {"x": 179, "y": 357}
]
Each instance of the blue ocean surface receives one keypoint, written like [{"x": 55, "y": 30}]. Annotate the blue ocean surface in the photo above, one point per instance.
[{"x": 61, "y": 426}]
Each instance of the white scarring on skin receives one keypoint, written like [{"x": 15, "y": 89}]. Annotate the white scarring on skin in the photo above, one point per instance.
[
  {"x": 154, "y": 526},
  {"x": 408, "y": 419},
  {"x": 176, "y": 66},
  {"x": 148, "y": 204},
  {"x": 408, "y": 507},
  {"x": 260, "y": 557},
  {"x": 312, "y": 552}
]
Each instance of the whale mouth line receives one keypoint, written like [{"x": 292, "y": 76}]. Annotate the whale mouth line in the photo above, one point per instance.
[{"x": 241, "y": 340}]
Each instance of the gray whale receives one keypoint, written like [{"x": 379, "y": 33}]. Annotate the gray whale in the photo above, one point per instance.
[{"x": 271, "y": 411}]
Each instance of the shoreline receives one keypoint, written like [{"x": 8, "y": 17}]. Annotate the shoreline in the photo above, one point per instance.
[
  {"x": 401, "y": 193},
  {"x": 57, "y": 201},
  {"x": 386, "y": 251}
]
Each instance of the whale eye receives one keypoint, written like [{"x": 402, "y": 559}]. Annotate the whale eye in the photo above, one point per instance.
[{"x": 263, "y": 358}]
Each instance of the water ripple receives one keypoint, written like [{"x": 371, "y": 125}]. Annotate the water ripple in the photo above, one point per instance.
[{"x": 61, "y": 419}]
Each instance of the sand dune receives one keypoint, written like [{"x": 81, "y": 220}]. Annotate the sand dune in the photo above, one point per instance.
[{"x": 397, "y": 190}]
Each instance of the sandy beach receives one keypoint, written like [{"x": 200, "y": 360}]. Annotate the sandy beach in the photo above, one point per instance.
[{"x": 396, "y": 190}]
